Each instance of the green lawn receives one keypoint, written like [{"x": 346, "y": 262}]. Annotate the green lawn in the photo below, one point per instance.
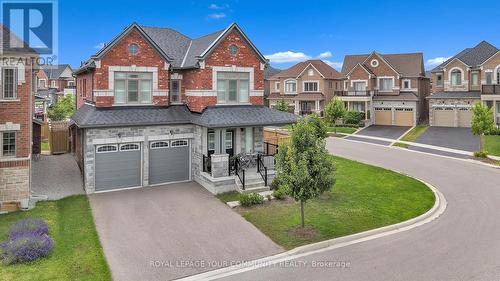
[
  {"x": 414, "y": 133},
  {"x": 345, "y": 130},
  {"x": 45, "y": 145},
  {"x": 403, "y": 145},
  {"x": 492, "y": 145},
  {"x": 364, "y": 197},
  {"x": 77, "y": 253},
  {"x": 228, "y": 196}
]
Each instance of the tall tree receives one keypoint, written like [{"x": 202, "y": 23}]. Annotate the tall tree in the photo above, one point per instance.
[
  {"x": 482, "y": 121},
  {"x": 63, "y": 109},
  {"x": 303, "y": 163},
  {"x": 334, "y": 111},
  {"x": 281, "y": 105}
]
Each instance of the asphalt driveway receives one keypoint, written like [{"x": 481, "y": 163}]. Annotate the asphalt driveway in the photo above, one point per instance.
[
  {"x": 454, "y": 138},
  {"x": 388, "y": 132},
  {"x": 167, "y": 232}
]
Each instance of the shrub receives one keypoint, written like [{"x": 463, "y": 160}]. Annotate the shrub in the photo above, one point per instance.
[
  {"x": 279, "y": 193},
  {"x": 249, "y": 199},
  {"x": 494, "y": 131},
  {"x": 27, "y": 226},
  {"x": 481, "y": 154},
  {"x": 353, "y": 117},
  {"x": 25, "y": 247}
]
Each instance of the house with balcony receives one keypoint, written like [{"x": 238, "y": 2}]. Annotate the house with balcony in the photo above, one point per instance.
[
  {"x": 156, "y": 107},
  {"x": 389, "y": 89},
  {"x": 307, "y": 87},
  {"x": 471, "y": 76},
  {"x": 17, "y": 73}
]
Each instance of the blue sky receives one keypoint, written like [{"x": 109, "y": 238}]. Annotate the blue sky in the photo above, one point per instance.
[{"x": 288, "y": 32}]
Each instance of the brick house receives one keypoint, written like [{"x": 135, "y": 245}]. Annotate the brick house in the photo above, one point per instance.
[
  {"x": 156, "y": 107},
  {"x": 307, "y": 86},
  {"x": 16, "y": 103},
  {"x": 471, "y": 76},
  {"x": 390, "y": 89}
]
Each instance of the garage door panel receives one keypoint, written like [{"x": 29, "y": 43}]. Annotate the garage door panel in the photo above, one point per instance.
[
  {"x": 464, "y": 117},
  {"x": 383, "y": 116},
  {"x": 444, "y": 117},
  {"x": 118, "y": 169},
  {"x": 404, "y": 117},
  {"x": 169, "y": 164}
]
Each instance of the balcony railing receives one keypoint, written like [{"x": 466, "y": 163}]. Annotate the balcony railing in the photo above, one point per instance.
[
  {"x": 354, "y": 93},
  {"x": 491, "y": 89}
]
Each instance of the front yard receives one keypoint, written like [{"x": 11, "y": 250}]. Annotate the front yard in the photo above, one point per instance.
[
  {"x": 412, "y": 135},
  {"x": 492, "y": 144},
  {"x": 364, "y": 197},
  {"x": 77, "y": 253}
]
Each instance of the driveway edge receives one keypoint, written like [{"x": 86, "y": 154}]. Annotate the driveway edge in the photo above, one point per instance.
[{"x": 437, "y": 210}]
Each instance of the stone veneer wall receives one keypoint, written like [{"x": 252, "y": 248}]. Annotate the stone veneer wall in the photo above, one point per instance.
[
  {"x": 141, "y": 134},
  {"x": 14, "y": 184}
]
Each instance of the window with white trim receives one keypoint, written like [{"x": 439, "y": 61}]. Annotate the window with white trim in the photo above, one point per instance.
[
  {"x": 8, "y": 143},
  {"x": 310, "y": 72},
  {"x": 385, "y": 84},
  {"x": 229, "y": 140},
  {"x": 489, "y": 78},
  {"x": 211, "y": 141},
  {"x": 456, "y": 77},
  {"x": 133, "y": 87},
  {"x": 277, "y": 86},
  {"x": 129, "y": 147},
  {"x": 439, "y": 79},
  {"x": 9, "y": 83},
  {"x": 290, "y": 87},
  {"x": 311, "y": 86},
  {"x": 406, "y": 84},
  {"x": 474, "y": 76},
  {"x": 107, "y": 148},
  {"x": 42, "y": 83},
  {"x": 53, "y": 84},
  {"x": 159, "y": 144},
  {"x": 233, "y": 87},
  {"x": 177, "y": 143}
]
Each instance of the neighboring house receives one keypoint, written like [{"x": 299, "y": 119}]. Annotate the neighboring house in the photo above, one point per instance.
[
  {"x": 307, "y": 86},
  {"x": 268, "y": 73},
  {"x": 390, "y": 89},
  {"x": 16, "y": 102},
  {"x": 58, "y": 77},
  {"x": 471, "y": 76},
  {"x": 156, "y": 107}
]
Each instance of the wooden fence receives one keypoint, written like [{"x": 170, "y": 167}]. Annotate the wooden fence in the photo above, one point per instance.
[
  {"x": 45, "y": 130},
  {"x": 275, "y": 136},
  {"x": 58, "y": 137}
]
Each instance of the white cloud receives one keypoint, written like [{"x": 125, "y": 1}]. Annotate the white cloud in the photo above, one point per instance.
[
  {"x": 437, "y": 61},
  {"x": 325, "y": 55},
  {"x": 217, "y": 16},
  {"x": 100, "y": 45},
  {"x": 288, "y": 56},
  {"x": 214, "y": 6},
  {"x": 335, "y": 64}
]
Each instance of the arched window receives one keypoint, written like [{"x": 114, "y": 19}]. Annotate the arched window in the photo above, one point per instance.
[
  {"x": 159, "y": 144},
  {"x": 456, "y": 77},
  {"x": 107, "y": 148},
  {"x": 498, "y": 74},
  {"x": 129, "y": 147}
]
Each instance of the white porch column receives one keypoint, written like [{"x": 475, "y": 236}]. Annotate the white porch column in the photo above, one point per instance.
[
  {"x": 297, "y": 107},
  {"x": 317, "y": 106}
]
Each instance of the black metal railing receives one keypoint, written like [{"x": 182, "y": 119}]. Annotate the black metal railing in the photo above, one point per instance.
[
  {"x": 261, "y": 168},
  {"x": 239, "y": 171},
  {"x": 357, "y": 93},
  {"x": 270, "y": 148},
  {"x": 305, "y": 112},
  {"x": 491, "y": 89},
  {"x": 207, "y": 164}
]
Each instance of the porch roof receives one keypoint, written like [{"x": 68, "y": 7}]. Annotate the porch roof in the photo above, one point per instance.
[{"x": 242, "y": 115}]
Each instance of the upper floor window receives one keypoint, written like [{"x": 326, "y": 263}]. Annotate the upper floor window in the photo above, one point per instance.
[
  {"x": 133, "y": 49},
  {"x": 71, "y": 83},
  {"x": 290, "y": 87},
  {"x": 9, "y": 84},
  {"x": 489, "y": 78},
  {"x": 359, "y": 85},
  {"x": 406, "y": 84},
  {"x": 8, "y": 143},
  {"x": 439, "y": 80},
  {"x": 233, "y": 87},
  {"x": 310, "y": 86},
  {"x": 233, "y": 50},
  {"x": 42, "y": 83},
  {"x": 474, "y": 77},
  {"x": 277, "y": 86},
  {"x": 53, "y": 84},
  {"x": 385, "y": 84},
  {"x": 456, "y": 77},
  {"x": 175, "y": 91},
  {"x": 133, "y": 88},
  {"x": 374, "y": 63},
  {"x": 310, "y": 72}
]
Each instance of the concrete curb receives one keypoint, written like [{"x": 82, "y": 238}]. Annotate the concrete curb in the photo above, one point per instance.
[{"x": 432, "y": 214}]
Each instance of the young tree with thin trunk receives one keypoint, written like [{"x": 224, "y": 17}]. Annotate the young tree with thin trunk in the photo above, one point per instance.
[
  {"x": 334, "y": 111},
  {"x": 303, "y": 163},
  {"x": 482, "y": 121},
  {"x": 281, "y": 105}
]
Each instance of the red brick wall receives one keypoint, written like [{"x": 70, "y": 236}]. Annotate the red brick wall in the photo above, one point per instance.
[
  {"x": 20, "y": 112},
  {"x": 83, "y": 93}
]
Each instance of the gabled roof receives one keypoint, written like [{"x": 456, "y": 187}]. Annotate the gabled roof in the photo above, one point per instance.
[
  {"x": 407, "y": 64},
  {"x": 270, "y": 71},
  {"x": 14, "y": 40},
  {"x": 324, "y": 69},
  {"x": 472, "y": 57},
  {"x": 178, "y": 49},
  {"x": 55, "y": 71}
]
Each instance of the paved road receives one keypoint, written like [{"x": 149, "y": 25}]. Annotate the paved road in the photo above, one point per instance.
[
  {"x": 462, "y": 244},
  {"x": 455, "y": 138},
  {"x": 166, "y": 232}
]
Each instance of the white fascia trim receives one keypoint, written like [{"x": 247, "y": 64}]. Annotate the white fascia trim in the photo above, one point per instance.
[
  {"x": 233, "y": 68},
  {"x": 115, "y": 140},
  {"x": 171, "y": 137},
  {"x": 310, "y": 64},
  {"x": 359, "y": 64},
  {"x": 216, "y": 40},
  {"x": 490, "y": 58},
  {"x": 310, "y": 81},
  {"x": 444, "y": 66},
  {"x": 257, "y": 93},
  {"x": 9, "y": 126},
  {"x": 187, "y": 52},
  {"x": 201, "y": 93},
  {"x": 384, "y": 60}
]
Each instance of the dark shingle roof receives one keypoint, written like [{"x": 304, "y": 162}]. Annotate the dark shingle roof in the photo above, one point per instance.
[
  {"x": 400, "y": 97},
  {"x": 173, "y": 43},
  {"x": 410, "y": 64},
  {"x": 326, "y": 70},
  {"x": 270, "y": 71},
  {"x": 472, "y": 56},
  {"x": 242, "y": 115},
  {"x": 55, "y": 71},
  {"x": 198, "y": 46},
  {"x": 455, "y": 95}
]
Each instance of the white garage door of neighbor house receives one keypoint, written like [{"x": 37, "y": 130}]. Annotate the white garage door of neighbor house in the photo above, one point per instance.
[
  {"x": 169, "y": 161},
  {"x": 444, "y": 117},
  {"x": 118, "y": 166},
  {"x": 464, "y": 117},
  {"x": 383, "y": 116}
]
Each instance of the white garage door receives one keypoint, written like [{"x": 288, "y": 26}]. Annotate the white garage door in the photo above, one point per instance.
[{"x": 117, "y": 166}]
